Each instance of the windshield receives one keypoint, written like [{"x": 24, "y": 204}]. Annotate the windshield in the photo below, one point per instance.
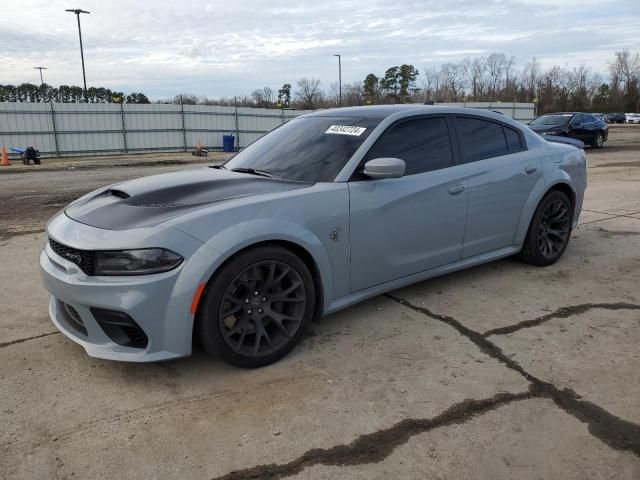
[
  {"x": 312, "y": 149},
  {"x": 552, "y": 120}
]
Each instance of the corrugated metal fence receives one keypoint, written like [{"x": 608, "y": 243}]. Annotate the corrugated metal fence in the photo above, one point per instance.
[
  {"x": 522, "y": 112},
  {"x": 88, "y": 129},
  {"x": 79, "y": 128}
]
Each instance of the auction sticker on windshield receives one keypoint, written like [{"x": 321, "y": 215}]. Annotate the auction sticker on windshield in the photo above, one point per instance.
[{"x": 345, "y": 130}]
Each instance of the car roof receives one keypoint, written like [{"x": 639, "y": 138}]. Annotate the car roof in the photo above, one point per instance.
[
  {"x": 384, "y": 111},
  {"x": 564, "y": 113},
  {"x": 372, "y": 111}
]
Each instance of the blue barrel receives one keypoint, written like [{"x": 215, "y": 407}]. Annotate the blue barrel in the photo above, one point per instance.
[{"x": 228, "y": 143}]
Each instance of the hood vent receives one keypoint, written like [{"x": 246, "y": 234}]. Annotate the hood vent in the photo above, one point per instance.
[
  {"x": 118, "y": 193},
  {"x": 163, "y": 205}
]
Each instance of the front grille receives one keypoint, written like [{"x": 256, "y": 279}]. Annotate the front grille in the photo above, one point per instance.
[
  {"x": 74, "y": 319},
  {"x": 82, "y": 258}
]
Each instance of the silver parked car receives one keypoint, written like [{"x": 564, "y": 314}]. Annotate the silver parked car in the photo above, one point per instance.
[
  {"x": 633, "y": 117},
  {"x": 325, "y": 211}
]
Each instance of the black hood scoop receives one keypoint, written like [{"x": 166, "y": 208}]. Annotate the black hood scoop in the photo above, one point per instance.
[{"x": 148, "y": 201}]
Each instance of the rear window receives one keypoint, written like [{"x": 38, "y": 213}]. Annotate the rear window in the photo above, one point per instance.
[
  {"x": 513, "y": 139},
  {"x": 480, "y": 139},
  {"x": 557, "y": 119}
]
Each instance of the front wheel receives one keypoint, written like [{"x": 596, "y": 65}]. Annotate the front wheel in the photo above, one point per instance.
[
  {"x": 257, "y": 307},
  {"x": 550, "y": 230}
]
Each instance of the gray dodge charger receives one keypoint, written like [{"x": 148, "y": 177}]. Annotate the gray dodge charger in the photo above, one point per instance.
[{"x": 327, "y": 210}]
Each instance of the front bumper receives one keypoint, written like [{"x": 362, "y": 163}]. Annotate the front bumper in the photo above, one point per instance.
[{"x": 158, "y": 303}]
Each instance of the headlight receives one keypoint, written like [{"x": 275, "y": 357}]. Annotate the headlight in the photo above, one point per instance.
[{"x": 135, "y": 262}]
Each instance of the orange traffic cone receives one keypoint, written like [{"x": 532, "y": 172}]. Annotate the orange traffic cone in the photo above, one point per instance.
[{"x": 5, "y": 159}]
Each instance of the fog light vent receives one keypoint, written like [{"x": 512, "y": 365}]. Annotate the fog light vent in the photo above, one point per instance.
[{"x": 74, "y": 319}]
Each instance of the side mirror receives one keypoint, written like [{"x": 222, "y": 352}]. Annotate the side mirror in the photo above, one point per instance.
[{"x": 385, "y": 168}]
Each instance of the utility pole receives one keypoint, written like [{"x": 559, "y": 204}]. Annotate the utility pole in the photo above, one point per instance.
[
  {"x": 339, "y": 78},
  {"x": 77, "y": 12},
  {"x": 40, "y": 68}
]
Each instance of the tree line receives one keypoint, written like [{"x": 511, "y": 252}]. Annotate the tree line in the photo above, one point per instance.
[
  {"x": 29, "y": 92},
  {"x": 491, "y": 78}
]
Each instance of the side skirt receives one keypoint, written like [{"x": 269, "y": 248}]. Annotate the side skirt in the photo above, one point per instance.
[{"x": 348, "y": 300}]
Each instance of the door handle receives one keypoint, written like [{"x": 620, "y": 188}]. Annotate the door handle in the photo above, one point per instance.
[
  {"x": 456, "y": 189},
  {"x": 530, "y": 168}
]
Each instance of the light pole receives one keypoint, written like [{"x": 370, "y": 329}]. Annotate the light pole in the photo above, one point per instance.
[
  {"x": 40, "y": 68},
  {"x": 77, "y": 12},
  {"x": 339, "y": 79}
]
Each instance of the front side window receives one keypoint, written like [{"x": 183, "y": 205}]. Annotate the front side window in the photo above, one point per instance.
[
  {"x": 423, "y": 143},
  {"x": 311, "y": 149},
  {"x": 480, "y": 139}
]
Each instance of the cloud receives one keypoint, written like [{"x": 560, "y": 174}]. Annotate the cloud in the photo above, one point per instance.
[{"x": 228, "y": 47}]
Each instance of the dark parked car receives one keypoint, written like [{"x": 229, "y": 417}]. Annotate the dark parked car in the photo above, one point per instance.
[
  {"x": 615, "y": 118},
  {"x": 582, "y": 126}
]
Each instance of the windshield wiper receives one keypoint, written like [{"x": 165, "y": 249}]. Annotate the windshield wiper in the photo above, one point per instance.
[{"x": 253, "y": 171}]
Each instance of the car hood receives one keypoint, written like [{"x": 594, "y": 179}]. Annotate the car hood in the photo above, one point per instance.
[{"x": 148, "y": 201}]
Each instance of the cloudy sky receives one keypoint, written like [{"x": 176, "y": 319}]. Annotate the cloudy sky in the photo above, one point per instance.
[{"x": 225, "y": 48}]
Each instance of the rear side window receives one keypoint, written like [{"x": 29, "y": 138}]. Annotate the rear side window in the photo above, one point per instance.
[
  {"x": 513, "y": 139},
  {"x": 423, "y": 143},
  {"x": 480, "y": 139}
]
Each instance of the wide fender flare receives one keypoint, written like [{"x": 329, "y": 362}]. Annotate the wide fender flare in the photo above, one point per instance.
[
  {"x": 201, "y": 267},
  {"x": 538, "y": 192}
]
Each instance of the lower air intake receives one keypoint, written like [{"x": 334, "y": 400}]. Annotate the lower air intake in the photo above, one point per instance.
[{"x": 120, "y": 328}]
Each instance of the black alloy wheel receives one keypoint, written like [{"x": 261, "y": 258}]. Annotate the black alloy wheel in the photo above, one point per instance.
[
  {"x": 550, "y": 230},
  {"x": 262, "y": 308},
  {"x": 257, "y": 307}
]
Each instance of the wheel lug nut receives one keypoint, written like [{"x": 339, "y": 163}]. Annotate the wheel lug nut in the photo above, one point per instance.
[
  {"x": 256, "y": 293},
  {"x": 246, "y": 300},
  {"x": 264, "y": 299},
  {"x": 260, "y": 310},
  {"x": 249, "y": 311}
]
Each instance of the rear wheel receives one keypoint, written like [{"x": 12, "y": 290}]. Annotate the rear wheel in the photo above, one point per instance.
[
  {"x": 550, "y": 230},
  {"x": 257, "y": 307},
  {"x": 598, "y": 140}
]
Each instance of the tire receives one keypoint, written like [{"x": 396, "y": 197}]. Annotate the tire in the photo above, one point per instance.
[
  {"x": 542, "y": 248},
  {"x": 598, "y": 140},
  {"x": 257, "y": 307}
]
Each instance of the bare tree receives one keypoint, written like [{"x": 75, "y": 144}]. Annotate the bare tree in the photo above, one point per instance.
[
  {"x": 475, "y": 79},
  {"x": 509, "y": 75},
  {"x": 186, "y": 99},
  {"x": 531, "y": 76},
  {"x": 431, "y": 84},
  {"x": 308, "y": 93},
  {"x": 269, "y": 96},
  {"x": 496, "y": 65},
  {"x": 453, "y": 78},
  {"x": 353, "y": 94},
  {"x": 263, "y": 97},
  {"x": 332, "y": 98},
  {"x": 625, "y": 69}
]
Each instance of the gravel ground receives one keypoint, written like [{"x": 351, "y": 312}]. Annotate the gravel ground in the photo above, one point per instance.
[{"x": 500, "y": 371}]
